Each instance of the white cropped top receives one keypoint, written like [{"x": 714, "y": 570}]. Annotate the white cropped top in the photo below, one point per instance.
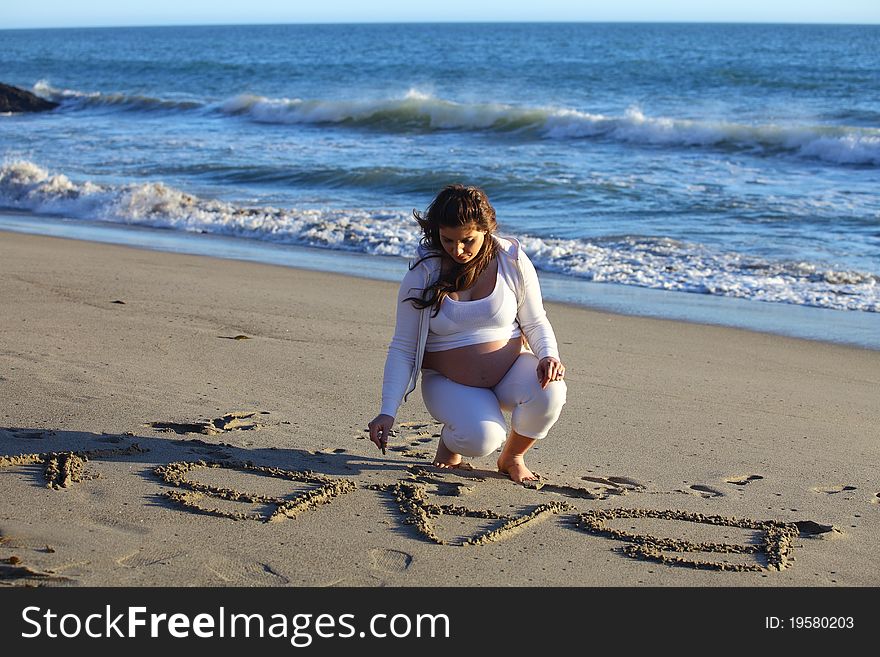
[
  {"x": 407, "y": 348},
  {"x": 463, "y": 323}
]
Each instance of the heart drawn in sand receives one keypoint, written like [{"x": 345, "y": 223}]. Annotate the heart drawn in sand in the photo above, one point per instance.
[{"x": 420, "y": 512}]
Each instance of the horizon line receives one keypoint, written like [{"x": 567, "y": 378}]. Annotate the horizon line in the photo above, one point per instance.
[{"x": 445, "y": 22}]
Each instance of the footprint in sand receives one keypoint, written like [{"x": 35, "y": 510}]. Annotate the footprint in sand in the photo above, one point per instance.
[
  {"x": 831, "y": 490},
  {"x": 415, "y": 435},
  {"x": 14, "y": 573},
  {"x": 706, "y": 491},
  {"x": 810, "y": 529},
  {"x": 201, "y": 448},
  {"x": 413, "y": 426},
  {"x": 742, "y": 480},
  {"x": 390, "y": 561},
  {"x": 616, "y": 482},
  {"x": 229, "y": 422},
  {"x": 26, "y": 434},
  {"x": 417, "y": 430},
  {"x": 147, "y": 557},
  {"x": 599, "y": 493},
  {"x": 444, "y": 488},
  {"x": 233, "y": 572},
  {"x": 411, "y": 453}
]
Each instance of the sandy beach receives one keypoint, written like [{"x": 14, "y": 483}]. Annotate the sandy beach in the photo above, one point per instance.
[{"x": 172, "y": 420}]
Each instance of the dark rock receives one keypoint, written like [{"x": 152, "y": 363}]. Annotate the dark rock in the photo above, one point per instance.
[{"x": 13, "y": 99}]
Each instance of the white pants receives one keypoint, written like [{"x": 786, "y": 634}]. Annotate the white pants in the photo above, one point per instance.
[{"x": 473, "y": 423}]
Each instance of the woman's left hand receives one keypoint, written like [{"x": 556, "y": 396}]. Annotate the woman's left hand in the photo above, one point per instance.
[{"x": 550, "y": 369}]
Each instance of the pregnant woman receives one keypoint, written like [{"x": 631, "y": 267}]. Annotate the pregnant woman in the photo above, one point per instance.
[{"x": 470, "y": 317}]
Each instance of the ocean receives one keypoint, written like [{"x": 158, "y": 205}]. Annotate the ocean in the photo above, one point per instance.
[{"x": 716, "y": 173}]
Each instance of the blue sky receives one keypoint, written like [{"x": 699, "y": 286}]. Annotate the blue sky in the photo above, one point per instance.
[{"x": 82, "y": 13}]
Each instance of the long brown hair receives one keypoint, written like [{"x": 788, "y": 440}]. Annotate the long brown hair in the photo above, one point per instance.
[{"x": 454, "y": 207}]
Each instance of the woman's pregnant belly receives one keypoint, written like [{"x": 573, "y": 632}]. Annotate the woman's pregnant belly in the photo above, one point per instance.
[{"x": 479, "y": 365}]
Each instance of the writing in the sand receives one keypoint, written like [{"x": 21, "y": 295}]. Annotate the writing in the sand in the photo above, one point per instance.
[{"x": 770, "y": 547}]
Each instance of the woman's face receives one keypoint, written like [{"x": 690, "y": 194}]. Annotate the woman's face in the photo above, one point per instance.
[{"x": 462, "y": 243}]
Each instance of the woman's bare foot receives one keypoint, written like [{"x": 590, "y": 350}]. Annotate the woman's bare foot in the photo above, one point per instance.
[
  {"x": 515, "y": 468},
  {"x": 511, "y": 460},
  {"x": 444, "y": 458}
]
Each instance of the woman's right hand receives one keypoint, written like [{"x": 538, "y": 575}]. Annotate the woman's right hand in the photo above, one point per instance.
[{"x": 380, "y": 429}]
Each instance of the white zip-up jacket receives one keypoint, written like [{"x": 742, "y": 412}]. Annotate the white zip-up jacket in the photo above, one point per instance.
[{"x": 407, "y": 348}]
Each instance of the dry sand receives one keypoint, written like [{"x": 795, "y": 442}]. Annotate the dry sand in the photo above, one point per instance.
[{"x": 179, "y": 420}]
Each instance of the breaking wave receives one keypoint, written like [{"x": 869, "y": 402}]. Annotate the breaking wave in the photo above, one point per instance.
[
  {"x": 422, "y": 112},
  {"x": 648, "y": 262}
]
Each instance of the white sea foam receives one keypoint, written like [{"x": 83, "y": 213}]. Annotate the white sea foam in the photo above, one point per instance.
[
  {"x": 27, "y": 186},
  {"x": 687, "y": 267},
  {"x": 655, "y": 262}
]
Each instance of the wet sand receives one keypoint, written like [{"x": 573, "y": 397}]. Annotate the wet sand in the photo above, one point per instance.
[{"x": 178, "y": 420}]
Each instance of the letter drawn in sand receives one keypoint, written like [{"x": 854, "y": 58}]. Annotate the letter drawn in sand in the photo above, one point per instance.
[
  {"x": 66, "y": 468},
  {"x": 776, "y": 545},
  {"x": 176, "y": 475}
]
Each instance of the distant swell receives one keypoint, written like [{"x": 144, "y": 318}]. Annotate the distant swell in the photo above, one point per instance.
[
  {"x": 83, "y": 100},
  {"x": 647, "y": 262},
  {"x": 421, "y": 112}
]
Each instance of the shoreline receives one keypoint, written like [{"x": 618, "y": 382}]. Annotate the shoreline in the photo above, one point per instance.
[
  {"x": 178, "y": 420},
  {"x": 848, "y": 328}
]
